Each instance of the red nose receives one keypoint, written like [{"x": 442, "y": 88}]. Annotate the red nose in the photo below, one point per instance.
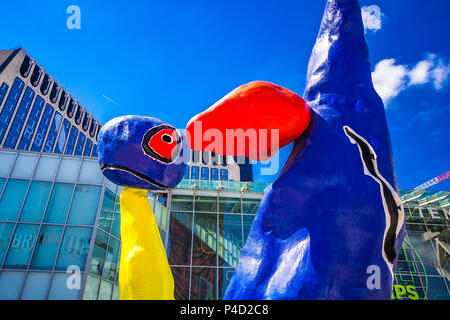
[{"x": 263, "y": 115}]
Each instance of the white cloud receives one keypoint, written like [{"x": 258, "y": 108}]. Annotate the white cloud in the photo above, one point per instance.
[
  {"x": 371, "y": 16},
  {"x": 389, "y": 78}
]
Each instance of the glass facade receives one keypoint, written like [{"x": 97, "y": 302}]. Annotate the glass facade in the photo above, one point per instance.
[
  {"x": 49, "y": 207},
  {"x": 25, "y": 124},
  {"x": 60, "y": 232}
]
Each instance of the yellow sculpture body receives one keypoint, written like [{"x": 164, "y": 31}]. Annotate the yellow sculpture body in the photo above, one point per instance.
[{"x": 144, "y": 272}]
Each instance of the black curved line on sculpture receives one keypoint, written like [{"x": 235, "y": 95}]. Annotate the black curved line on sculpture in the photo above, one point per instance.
[
  {"x": 369, "y": 158},
  {"x": 135, "y": 173}
]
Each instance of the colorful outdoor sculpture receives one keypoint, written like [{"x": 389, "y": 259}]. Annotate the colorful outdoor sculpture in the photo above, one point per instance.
[
  {"x": 141, "y": 153},
  {"x": 331, "y": 225}
]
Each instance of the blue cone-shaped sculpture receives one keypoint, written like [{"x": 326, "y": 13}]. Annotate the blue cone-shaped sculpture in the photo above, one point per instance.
[{"x": 331, "y": 225}]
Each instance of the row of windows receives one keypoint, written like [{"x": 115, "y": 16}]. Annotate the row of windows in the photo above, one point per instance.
[
  {"x": 205, "y": 173},
  {"x": 65, "y": 101},
  {"x": 52, "y": 126},
  {"x": 49, "y": 203},
  {"x": 36, "y": 247},
  {"x": 208, "y": 158}
]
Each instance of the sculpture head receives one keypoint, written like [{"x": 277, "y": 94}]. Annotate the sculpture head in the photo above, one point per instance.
[{"x": 141, "y": 152}]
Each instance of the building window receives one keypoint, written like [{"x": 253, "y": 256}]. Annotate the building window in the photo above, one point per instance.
[
  {"x": 224, "y": 174},
  {"x": 42, "y": 129},
  {"x": 12, "y": 199},
  {"x": 45, "y": 86},
  {"x": 36, "y": 75},
  {"x": 205, "y": 173},
  {"x": 98, "y": 254},
  {"x": 55, "y": 92},
  {"x": 79, "y": 114},
  {"x": 59, "y": 203},
  {"x": 205, "y": 157},
  {"x": 84, "y": 205},
  {"x": 46, "y": 248},
  {"x": 62, "y": 136},
  {"x": 80, "y": 144},
  {"x": 33, "y": 209},
  {"x": 21, "y": 246},
  {"x": 223, "y": 160},
  {"x": 214, "y": 174},
  {"x": 53, "y": 132},
  {"x": 88, "y": 148},
  {"x": 25, "y": 68},
  {"x": 92, "y": 128},
  {"x": 71, "y": 108},
  {"x": 3, "y": 90},
  {"x": 194, "y": 173},
  {"x": 6, "y": 230},
  {"x": 214, "y": 159},
  {"x": 94, "y": 151},
  {"x": 19, "y": 119},
  {"x": 74, "y": 248},
  {"x": 63, "y": 100},
  {"x": 71, "y": 141},
  {"x": 195, "y": 156},
  {"x": 32, "y": 122},
  {"x": 10, "y": 106},
  {"x": 186, "y": 173},
  {"x": 86, "y": 120}
]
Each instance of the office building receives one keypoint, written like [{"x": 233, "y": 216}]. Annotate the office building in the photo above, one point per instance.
[{"x": 38, "y": 114}]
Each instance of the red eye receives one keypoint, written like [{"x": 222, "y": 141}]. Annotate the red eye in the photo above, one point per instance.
[{"x": 162, "y": 143}]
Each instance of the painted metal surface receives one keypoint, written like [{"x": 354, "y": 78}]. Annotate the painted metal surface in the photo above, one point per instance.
[
  {"x": 133, "y": 152},
  {"x": 332, "y": 222}
]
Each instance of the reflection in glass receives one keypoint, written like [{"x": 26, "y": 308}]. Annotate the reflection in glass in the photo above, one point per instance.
[
  {"x": 21, "y": 246},
  {"x": 205, "y": 204},
  {"x": 182, "y": 203},
  {"x": 225, "y": 275},
  {"x": 115, "y": 227},
  {"x": 250, "y": 205},
  {"x": 74, "y": 248},
  {"x": 36, "y": 201},
  {"x": 247, "y": 221},
  {"x": 205, "y": 239},
  {"x": 229, "y": 205},
  {"x": 59, "y": 203},
  {"x": 230, "y": 239},
  {"x": 105, "y": 290},
  {"x": 84, "y": 205},
  {"x": 111, "y": 259},
  {"x": 180, "y": 238},
  {"x": 181, "y": 279},
  {"x": 203, "y": 284},
  {"x": 106, "y": 213},
  {"x": 91, "y": 288},
  {"x": 5, "y": 234},
  {"x": 12, "y": 199},
  {"x": 98, "y": 254},
  {"x": 47, "y": 246}
]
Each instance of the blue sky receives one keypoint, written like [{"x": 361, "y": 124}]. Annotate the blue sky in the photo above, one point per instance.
[{"x": 171, "y": 60}]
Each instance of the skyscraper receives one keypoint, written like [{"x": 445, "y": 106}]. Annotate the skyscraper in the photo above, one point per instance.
[{"x": 38, "y": 114}]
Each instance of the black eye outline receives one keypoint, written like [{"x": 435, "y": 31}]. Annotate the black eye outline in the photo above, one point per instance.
[{"x": 153, "y": 153}]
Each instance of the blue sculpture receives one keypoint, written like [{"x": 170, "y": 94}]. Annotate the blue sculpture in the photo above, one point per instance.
[
  {"x": 141, "y": 152},
  {"x": 331, "y": 225}
]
